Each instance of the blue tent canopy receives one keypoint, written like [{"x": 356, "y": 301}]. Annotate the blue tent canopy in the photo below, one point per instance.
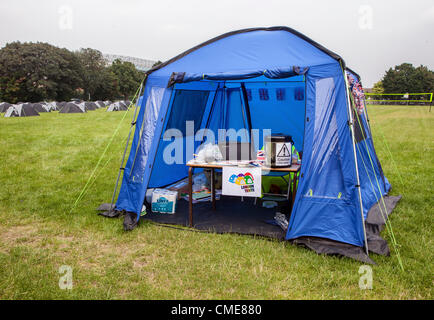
[{"x": 292, "y": 85}]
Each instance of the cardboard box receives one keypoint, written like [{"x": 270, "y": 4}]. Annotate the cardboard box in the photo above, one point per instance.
[
  {"x": 180, "y": 187},
  {"x": 164, "y": 201}
]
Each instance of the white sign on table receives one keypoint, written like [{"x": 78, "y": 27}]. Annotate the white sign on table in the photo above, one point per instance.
[{"x": 242, "y": 182}]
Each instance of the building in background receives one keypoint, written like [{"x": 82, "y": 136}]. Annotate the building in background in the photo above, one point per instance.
[{"x": 141, "y": 64}]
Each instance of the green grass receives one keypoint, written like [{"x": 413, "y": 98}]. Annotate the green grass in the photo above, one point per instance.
[{"x": 45, "y": 162}]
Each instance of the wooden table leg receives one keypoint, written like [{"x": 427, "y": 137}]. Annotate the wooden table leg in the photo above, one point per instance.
[
  {"x": 213, "y": 188},
  {"x": 190, "y": 197},
  {"x": 294, "y": 189},
  {"x": 289, "y": 193}
]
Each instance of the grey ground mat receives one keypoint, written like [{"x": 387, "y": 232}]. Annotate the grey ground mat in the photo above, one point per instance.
[
  {"x": 375, "y": 222},
  {"x": 231, "y": 216},
  {"x": 376, "y": 214},
  {"x": 330, "y": 247},
  {"x": 107, "y": 210},
  {"x": 245, "y": 217},
  {"x": 130, "y": 221}
]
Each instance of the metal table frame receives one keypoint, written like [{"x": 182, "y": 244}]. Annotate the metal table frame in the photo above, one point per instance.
[{"x": 295, "y": 168}]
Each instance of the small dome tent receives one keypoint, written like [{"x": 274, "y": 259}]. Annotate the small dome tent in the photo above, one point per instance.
[
  {"x": 4, "y": 106},
  {"x": 100, "y": 104},
  {"x": 117, "y": 106},
  {"x": 71, "y": 107},
  {"x": 267, "y": 79},
  {"x": 21, "y": 110},
  {"x": 123, "y": 104},
  {"x": 61, "y": 104},
  {"x": 90, "y": 105},
  {"x": 41, "y": 107},
  {"x": 51, "y": 106}
]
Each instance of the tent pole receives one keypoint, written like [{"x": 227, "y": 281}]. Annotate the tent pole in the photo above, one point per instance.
[
  {"x": 126, "y": 145},
  {"x": 350, "y": 115},
  {"x": 211, "y": 110},
  {"x": 430, "y": 105},
  {"x": 244, "y": 120},
  {"x": 248, "y": 114}
]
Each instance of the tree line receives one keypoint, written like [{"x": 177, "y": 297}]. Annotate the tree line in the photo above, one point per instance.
[
  {"x": 32, "y": 72},
  {"x": 405, "y": 78}
]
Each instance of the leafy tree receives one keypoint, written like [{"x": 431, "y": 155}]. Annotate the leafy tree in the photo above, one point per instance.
[
  {"x": 128, "y": 78},
  {"x": 92, "y": 72},
  {"x": 107, "y": 87},
  {"x": 378, "y": 89},
  {"x": 405, "y": 78},
  {"x": 424, "y": 78},
  {"x": 37, "y": 71}
]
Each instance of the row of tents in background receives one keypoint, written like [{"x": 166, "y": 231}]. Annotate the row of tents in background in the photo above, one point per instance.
[{"x": 33, "y": 109}]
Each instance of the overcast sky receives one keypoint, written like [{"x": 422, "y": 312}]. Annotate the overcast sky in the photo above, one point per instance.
[{"x": 371, "y": 36}]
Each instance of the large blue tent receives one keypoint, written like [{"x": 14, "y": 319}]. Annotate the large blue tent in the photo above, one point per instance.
[{"x": 293, "y": 86}]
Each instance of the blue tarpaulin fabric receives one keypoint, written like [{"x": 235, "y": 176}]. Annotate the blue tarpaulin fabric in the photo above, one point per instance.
[{"x": 313, "y": 109}]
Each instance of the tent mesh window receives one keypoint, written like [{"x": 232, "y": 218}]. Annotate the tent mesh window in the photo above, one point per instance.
[
  {"x": 263, "y": 94},
  {"x": 188, "y": 105},
  {"x": 280, "y": 94},
  {"x": 249, "y": 94},
  {"x": 299, "y": 94},
  {"x": 359, "y": 128}
]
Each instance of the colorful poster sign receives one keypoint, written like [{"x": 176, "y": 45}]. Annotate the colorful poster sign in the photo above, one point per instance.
[{"x": 242, "y": 182}]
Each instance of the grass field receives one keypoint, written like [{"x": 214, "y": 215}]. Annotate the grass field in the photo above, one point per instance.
[{"x": 45, "y": 162}]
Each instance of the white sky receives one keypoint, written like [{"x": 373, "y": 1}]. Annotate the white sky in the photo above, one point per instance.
[{"x": 371, "y": 36}]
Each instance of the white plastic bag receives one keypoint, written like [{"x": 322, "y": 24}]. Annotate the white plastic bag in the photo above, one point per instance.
[{"x": 208, "y": 153}]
